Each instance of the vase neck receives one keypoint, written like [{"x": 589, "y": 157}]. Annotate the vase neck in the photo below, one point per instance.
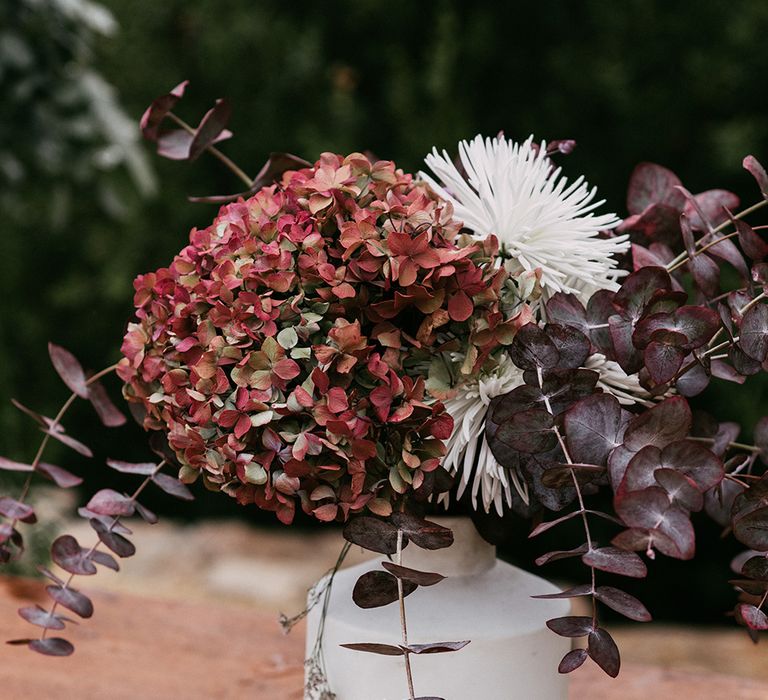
[{"x": 468, "y": 555}]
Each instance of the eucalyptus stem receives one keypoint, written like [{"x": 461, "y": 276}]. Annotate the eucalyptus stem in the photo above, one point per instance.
[
  {"x": 98, "y": 541},
  {"x": 403, "y": 621},
  {"x": 229, "y": 163}
]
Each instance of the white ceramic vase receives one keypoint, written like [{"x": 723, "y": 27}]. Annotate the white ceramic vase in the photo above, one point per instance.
[{"x": 511, "y": 655}]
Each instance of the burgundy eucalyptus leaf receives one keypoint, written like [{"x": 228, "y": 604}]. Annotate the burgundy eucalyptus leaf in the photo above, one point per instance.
[
  {"x": 680, "y": 488},
  {"x": 757, "y": 171},
  {"x": 375, "y": 589},
  {"x": 571, "y": 626},
  {"x": 61, "y": 477},
  {"x": 743, "y": 363},
  {"x": 752, "y": 617},
  {"x": 15, "y": 510},
  {"x": 666, "y": 422},
  {"x": 142, "y": 468},
  {"x": 116, "y": 542},
  {"x": 110, "y": 502},
  {"x": 52, "y": 646},
  {"x": 211, "y": 128},
  {"x": 69, "y": 369},
  {"x": 575, "y": 592},
  {"x": 593, "y": 427},
  {"x": 70, "y": 556},
  {"x": 175, "y": 144},
  {"x": 436, "y": 647},
  {"x": 423, "y": 533},
  {"x": 375, "y": 648},
  {"x": 420, "y": 578},
  {"x": 532, "y": 349},
  {"x": 109, "y": 522},
  {"x": 562, "y": 475},
  {"x": 108, "y": 413},
  {"x": 663, "y": 361},
  {"x": 71, "y": 599},
  {"x": 751, "y": 242},
  {"x": 616, "y": 561},
  {"x": 706, "y": 274},
  {"x": 711, "y": 208},
  {"x": 572, "y": 345},
  {"x": 146, "y": 514},
  {"x": 372, "y": 534},
  {"x": 104, "y": 559},
  {"x": 623, "y": 603},
  {"x": 158, "y": 110},
  {"x": 604, "y": 652},
  {"x": 526, "y": 431},
  {"x": 42, "y": 618},
  {"x": 694, "y": 379},
  {"x": 756, "y": 568},
  {"x": 639, "y": 288},
  {"x": 57, "y": 433},
  {"x": 572, "y": 660},
  {"x": 543, "y": 527},
  {"x": 561, "y": 554},
  {"x": 173, "y": 486},
  {"x": 753, "y": 335},
  {"x": 41, "y": 420},
  {"x": 750, "y": 516},
  {"x": 653, "y": 184},
  {"x": 50, "y": 575},
  {"x": 11, "y": 466},
  {"x": 567, "y": 310}
]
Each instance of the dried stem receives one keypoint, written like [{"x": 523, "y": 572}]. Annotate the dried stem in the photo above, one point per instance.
[
  {"x": 403, "y": 621},
  {"x": 215, "y": 152}
]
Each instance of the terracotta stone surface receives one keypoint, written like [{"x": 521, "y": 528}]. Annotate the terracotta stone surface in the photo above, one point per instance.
[{"x": 148, "y": 649}]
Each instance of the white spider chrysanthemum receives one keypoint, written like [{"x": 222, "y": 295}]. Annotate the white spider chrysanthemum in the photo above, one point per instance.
[
  {"x": 513, "y": 191},
  {"x": 468, "y": 455}
]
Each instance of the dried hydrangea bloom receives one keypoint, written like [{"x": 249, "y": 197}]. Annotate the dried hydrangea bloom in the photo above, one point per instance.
[{"x": 284, "y": 351}]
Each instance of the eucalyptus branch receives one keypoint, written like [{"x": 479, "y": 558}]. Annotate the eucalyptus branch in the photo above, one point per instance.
[
  {"x": 403, "y": 620},
  {"x": 228, "y": 162}
]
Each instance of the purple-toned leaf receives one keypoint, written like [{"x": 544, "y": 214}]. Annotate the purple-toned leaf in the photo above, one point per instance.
[
  {"x": 57, "y": 433},
  {"x": 561, "y": 475},
  {"x": 110, "y": 502},
  {"x": 593, "y": 427},
  {"x": 543, "y": 527},
  {"x": 32, "y": 414},
  {"x": 436, "y": 647},
  {"x": 742, "y": 362},
  {"x": 146, "y": 514},
  {"x": 526, "y": 431},
  {"x": 141, "y": 468},
  {"x": 532, "y": 349},
  {"x": 6, "y": 533},
  {"x": 52, "y": 646},
  {"x": 756, "y": 568},
  {"x": 372, "y": 534},
  {"x": 16, "y": 510},
  {"x": 604, "y": 652},
  {"x": 752, "y": 165},
  {"x": 42, "y": 618},
  {"x": 104, "y": 559},
  {"x": 567, "y": 310},
  {"x": 420, "y": 578},
  {"x": 639, "y": 540},
  {"x": 639, "y": 288},
  {"x": 711, "y": 208},
  {"x": 61, "y": 477},
  {"x": 158, "y": 110},
  {"x": 753, "y": 617},
  {"x": 105, "y": 520},
  {"x": 175, "y": 144},
  {"x": 108, "y": 413},
  {"x": 616, "y": 561},
  {"x": 173, "y": 487},
  {"x": 117, "y": 543},
  {"x": 663, "y": 361},
  {"x": 11, "y": 466},
  {"x": 753, "y": 335},
  {"x": 751, "y": 242},
  {"x": 561, "y": 554},
  {"x": 375, "y": 648},
  {"x": 50, "y": 575},
  {"x": 666, "y": 422},
  {"x": 211, "y": 128},
  {"x": 575, "y": 592},
  {"x": 571, "y": 626},
  {"x": 572, "y": 345},
  {"x": 70, "y": 556},
  {"x": 693, "y": 380},
  {"x": 623, "y": 603},
  {"x": 651, "y": 184},
  {"x": 706, "y": 274},
  {"x": 69, "y": 369},
  {"x": 375, "y": 589},
  {"x": 680, "y": 488},
  {"x": 572, "y": 660},
  {"x": 71, "y": 599},
  {"x": 423, "y": 533}
]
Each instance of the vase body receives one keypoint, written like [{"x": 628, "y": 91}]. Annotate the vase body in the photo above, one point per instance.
[{"x": 511, "y": 653}]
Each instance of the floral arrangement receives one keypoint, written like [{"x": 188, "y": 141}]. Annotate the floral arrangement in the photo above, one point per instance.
[{"x": 368, "y": 346}]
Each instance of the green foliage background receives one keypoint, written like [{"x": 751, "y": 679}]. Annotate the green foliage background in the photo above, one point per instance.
[{"x": 669, "y": 81}]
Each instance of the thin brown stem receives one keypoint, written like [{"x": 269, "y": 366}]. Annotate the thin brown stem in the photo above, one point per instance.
[
  {"x": 403, "y": 621},
  {"x": 215, "y": 152}
]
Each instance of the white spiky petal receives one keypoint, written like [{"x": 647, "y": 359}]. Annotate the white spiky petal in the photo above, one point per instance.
[{"x": 513, "y": 191}]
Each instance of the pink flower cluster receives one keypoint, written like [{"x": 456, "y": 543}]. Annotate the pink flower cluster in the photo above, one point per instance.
[{"x": 285, "y": 349}]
